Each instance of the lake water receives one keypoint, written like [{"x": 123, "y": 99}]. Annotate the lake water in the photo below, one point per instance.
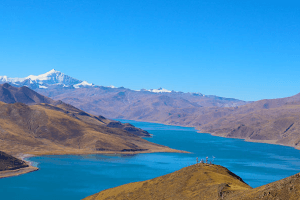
[{"x": 75, "y": 177}]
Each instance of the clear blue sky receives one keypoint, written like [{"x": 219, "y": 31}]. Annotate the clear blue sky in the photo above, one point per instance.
[{"x": 248, "y": 50}]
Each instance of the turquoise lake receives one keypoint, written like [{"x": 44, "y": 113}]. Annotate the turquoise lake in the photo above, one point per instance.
[{"x": 78, "y": 176}]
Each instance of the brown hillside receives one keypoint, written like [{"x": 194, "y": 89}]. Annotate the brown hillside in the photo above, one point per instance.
[
  {"x": 199, "y": 181},
  {"x": 48, "y": 129},
  {"x": 285, "y": 189},
  {"x": 276, "y": 124},
  {"x": 270, "y": 120},
  {"x": 202, "y": 182},
  {"x": 136, "y": 105},
  {"x": 10, "y": 94},
  {"x": 8, "y": 162}
]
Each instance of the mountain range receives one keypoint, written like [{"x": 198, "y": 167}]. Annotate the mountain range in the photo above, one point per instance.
[
  {"x": 270, "y": 120},
  {"x": 154, "y": 105},
  {"x": 35, "y": 124},
  {"x": 54, "y": 83}
]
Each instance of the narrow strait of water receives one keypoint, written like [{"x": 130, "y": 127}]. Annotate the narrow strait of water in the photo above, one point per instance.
[{"x": 78, "y": 176}]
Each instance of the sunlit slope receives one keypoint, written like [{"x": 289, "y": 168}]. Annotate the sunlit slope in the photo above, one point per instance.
[
  {"x": 285, "y": 189},
  {"x": 48, "y": 129},
  {"x": 203, "y": 182},
  {"x": 279, "y": 125},
  {"x": 199, "y": 181}
]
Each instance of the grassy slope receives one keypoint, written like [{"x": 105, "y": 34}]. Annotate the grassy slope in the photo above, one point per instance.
[
  {"x": 39, "y": 130},
  {"x": 195, "y": 182},
  {"x": 273, "y": 125},
  {"x": 203, "y": 182}
]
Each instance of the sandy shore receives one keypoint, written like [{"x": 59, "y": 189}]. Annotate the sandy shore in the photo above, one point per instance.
[{"x": 16, "y": 172}]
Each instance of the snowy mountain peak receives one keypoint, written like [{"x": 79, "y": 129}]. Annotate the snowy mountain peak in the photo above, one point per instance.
[
  {"x": 43, "y": 81},
  {"x": 52, "y": 71},
  {"x": 53, "y": 74}
]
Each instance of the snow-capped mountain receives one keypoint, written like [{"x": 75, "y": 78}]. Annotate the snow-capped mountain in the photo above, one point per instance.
[
  {"x": 44, "y": 81},
  {"x": 57, "y": 79},
  {"x": 119, "y": 102}
]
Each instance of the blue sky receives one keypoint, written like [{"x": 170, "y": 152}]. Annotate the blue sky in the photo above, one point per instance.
[{"x": 242, "y": 49}]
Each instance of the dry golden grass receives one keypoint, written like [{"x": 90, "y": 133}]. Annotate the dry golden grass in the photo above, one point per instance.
[
  {"x": 202, "y": 182},
  {"x": 279, "y": 125},
  {"x": 199, "y": 181},
  {"x": 40, "y": 130}
]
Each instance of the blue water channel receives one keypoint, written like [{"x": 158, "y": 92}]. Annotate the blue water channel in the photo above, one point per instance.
[{"x": 78, "y": 176}]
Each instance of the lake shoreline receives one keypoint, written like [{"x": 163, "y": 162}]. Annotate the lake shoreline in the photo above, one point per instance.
[
  {"x": 31, "y": 168},
  {"x": 218, "y": 135}
]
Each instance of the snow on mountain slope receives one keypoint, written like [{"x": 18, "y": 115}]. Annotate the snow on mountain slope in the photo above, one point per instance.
[
  {"x": 159, "y": 90},
  {"x": 54, "y": 83},
  {"x": 83, "y": 83},
  {"x": 11, "y": 80},
  {"x": 56, "y": 78},
  {"x": 44, "y": 81}
]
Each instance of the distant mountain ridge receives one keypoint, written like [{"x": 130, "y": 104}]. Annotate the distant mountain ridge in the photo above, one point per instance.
[
  {"x": 271, "y": 121},
  {"x": 154, "y": 105},
  {"x": 57, "y": 79}
]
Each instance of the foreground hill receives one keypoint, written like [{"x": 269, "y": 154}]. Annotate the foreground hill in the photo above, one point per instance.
[
  {"x": 205, "y": 182},
  {"x": 199, "y": 181}
]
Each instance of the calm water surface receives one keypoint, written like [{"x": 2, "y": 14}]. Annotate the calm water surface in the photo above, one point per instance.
[{"x": 75, "y": 177}]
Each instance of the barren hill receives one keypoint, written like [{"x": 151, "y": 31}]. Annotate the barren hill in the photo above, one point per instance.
[
  {"x": 10, "y": 94},
  {"x": 199, "y": 181},
  {"x": 48, "y": 129},
  {"x": 272, "y": 121},
  {"x": 8, "y": 162},
  {"x": 130, "y": 104},
  {"x": 202, "y": 181},
  {"x": 59, "y": 128}
]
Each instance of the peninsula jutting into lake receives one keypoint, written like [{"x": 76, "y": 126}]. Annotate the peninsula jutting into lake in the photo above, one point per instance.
[
  {"x": 149, "y": 100},
  {"x": 43, "y": 126}
]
